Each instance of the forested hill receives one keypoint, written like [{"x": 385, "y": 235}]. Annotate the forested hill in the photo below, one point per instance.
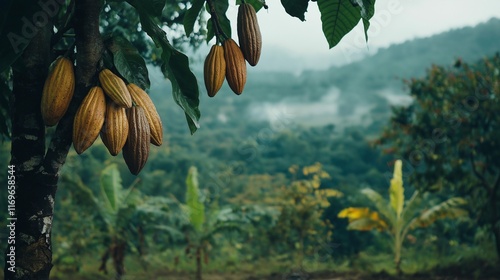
[
  {"x": 410, "y": 59},
  {"x": 356, "y": 94}
]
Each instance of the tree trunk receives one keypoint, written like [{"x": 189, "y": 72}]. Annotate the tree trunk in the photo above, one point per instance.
[
  {"x": 37, "y": 170},
  {"x": 118, "y": 255},
  {"x": 30, "y": 256},
  {"x": 198, "y": 264},
  {"x": 398, "y": 244}
]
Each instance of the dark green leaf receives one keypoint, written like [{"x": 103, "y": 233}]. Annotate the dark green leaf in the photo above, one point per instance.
[
  {"x": 192, "y": 15},
  {"x": 19, "y": 26},
  {"x": 184, "y": 87},
  {"x": 151, "y": 7},
  {"x": 367, "y": 12},
  {"x": 339, "y": 17},
  {"x": 296, "y": 8},
  {"x": 128, "y": 61},
  {"x": 220, "y": 9},
  {"x": 257, "y": 5},
  {"x": 176, "y": 68}
]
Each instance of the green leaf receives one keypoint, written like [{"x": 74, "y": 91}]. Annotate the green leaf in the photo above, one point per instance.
[
  {"x": 366, "y": 224},
  {"x": 296, "y": 8},
  {"x": 176, "y": 68},
  {"x": 220, "y": 7},
  {"x": 447, "y": 209},
  {"x": 151, "y": 7},
  {"x": 382, "y": 205},
  {"x": 367, "y": 12},
  {"x": 18, "y": 28},
  {"x": 128, "y": 61},
  {"x": 193, "y": 200},
  {"x": 191, "y": 15},
  {"x": 396, "y": 190},
  {"x": 111, "y": 187},
  {"x": 257, "y": 4},
  {"x": 184, "y": 87},
  {"x": 339, "y": 17}
]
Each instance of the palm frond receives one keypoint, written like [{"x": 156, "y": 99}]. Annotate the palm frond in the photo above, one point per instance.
[
  {"x": 381, "y": 204},
  {"x": 450, "y": 208}
]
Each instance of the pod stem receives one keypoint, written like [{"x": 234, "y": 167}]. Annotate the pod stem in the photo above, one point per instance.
[{"x": 219, "y": 33}]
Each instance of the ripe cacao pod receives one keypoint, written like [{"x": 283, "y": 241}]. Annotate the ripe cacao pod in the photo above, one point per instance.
[
  {"x": 236, "y": 67},
  {"x": 115, "y": 129},
  {"x": 136, "y": 149},
  {"x": 249, "y": 35},
  {"x": 141, "y": 98},
  {"x": 57, "y": 91},
  {"x": 115, "y": 88},
  {"x": 89, "y": 119},
  {"x": 214, "y": 70}
]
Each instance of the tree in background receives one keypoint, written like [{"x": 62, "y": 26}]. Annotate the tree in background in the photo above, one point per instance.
[
  {"x": 395, "y": 216},
  {"x": 34, "y": 35},
  {"x": 203, "y": 225},
  {"x": 301, "y": 204},
  {"x": 449, "y": 136},
  {"x": 126, "y": 215}
]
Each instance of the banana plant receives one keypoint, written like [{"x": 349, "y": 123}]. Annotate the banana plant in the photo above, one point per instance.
[
  {"x": 125, "y": 213},
  {"x": 203, "y": 225},
  {"x": 397, "y": 217}
]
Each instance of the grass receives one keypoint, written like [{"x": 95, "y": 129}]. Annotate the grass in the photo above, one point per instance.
[{"x": 462, "y": 262}]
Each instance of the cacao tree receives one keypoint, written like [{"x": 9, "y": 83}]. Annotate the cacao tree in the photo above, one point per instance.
[
  {"x": 397, "y": 217},
  {"x": 119, "y": 35}
]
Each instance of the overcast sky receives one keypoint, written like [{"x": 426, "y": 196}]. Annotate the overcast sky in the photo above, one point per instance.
[{"x": 395, "y": 21}]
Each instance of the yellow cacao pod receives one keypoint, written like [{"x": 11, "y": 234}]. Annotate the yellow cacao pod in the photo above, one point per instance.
[
  {"x": 249, "y": 35},
  {"x": 114, "y": 132},
  {"x": 214, "y": 70},
  {"x": 115, "y": 88},
  {"x": 136, "y": 149},
  {"x": 57, "y": 91},
  {"x": 141, "y": 98},
  {"x": 89, "y": 119},
  {"x": 236, "y": 67}
]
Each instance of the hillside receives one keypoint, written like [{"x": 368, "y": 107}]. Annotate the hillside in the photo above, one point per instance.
[{"x": 358, "y": 93}]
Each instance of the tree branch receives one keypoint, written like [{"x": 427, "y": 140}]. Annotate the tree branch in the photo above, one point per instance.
[{"x": 89, "y": 51}]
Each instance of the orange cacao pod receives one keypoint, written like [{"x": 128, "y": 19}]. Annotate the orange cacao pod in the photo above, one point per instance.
[
  {"x": 115, "y": 129},
  {"x": 236, "y": 67},
  {"x": 115, "y": 88},
  {"x": 249, "y": 35},
  {"x": 214, "y": 70},
  {"x": 89, "y": 119},
  {"x": 141, "y": 98},
  {"x": 57, "y": 91},
  {"x": 136, "y": 149}
]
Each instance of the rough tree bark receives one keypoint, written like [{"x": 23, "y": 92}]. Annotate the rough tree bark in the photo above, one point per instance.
[{"x": 37, "y": 170}]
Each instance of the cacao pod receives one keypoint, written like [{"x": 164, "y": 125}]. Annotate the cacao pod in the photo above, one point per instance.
[
  {"x": 249, "y": 35},
  {"x": 115, "y": 129},
  {"x": 89, "y": 119},
  {"x": 214, "y": 70},
  {"x": 236, "y": 67},
  {"x": 115, "y": 88},
  {"x": 57, "y": 91},
  {"x": 141, "y": 98},
  {"x": 136, "y": 149}
]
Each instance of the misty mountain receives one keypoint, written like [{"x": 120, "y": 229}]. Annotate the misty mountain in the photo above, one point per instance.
[{"x": 359, "y": 93}]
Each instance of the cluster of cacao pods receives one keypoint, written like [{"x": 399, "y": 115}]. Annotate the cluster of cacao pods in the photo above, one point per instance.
[
  {"x": 122, "y": 114},
  {"x": 228, "y": 61}
]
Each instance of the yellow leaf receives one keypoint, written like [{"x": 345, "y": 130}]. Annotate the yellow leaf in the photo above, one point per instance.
[{"x": 396, "y": 190}]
